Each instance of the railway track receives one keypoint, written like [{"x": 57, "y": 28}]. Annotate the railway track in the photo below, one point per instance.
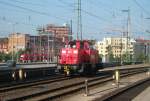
[
  {"x": 55, "y": 89},
  {"x": 127, "y": 93},
  {"x": 39, "y": 89},
  {"x": 29, "y": 83}
]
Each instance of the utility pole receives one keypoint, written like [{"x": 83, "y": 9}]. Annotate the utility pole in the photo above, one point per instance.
[
  {"x": 48, "y": 49},
  {"x": 79, "y": 21},
  {"x": 128, "y": 34},
  {"x": 148, "y": 44},
  {"x": 40, "y": 31},
  {"x": 35, "y": 48},
  {"x": 12, "y": 46},
  {"x": 70, "y": 36},
  {"x": 128, "y": 28},
  {"x": 17, "y": 48},
  {"x": 53, "y": 48}
]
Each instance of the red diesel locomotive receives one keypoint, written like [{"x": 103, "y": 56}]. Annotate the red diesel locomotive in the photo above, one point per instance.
[{"x": 78, "y": 57}]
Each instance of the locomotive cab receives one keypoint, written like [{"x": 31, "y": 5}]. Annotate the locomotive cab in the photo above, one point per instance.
[{"x": 78, "y": 57}]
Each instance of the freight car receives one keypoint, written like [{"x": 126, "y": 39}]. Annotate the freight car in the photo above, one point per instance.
[{"x": 78, "y": 57}]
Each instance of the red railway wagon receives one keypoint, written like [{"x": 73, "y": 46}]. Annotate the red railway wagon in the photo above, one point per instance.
[
  {"x": 33, "y": 57},
  {"x": 78, "y": 57}
]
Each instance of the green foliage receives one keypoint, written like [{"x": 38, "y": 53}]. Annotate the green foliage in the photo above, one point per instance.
[
  {"x": 126, "y": 57},
  {"x": 110, "y": 54},
  {"x": 117, "y": 59},
  {"x": 1, "y": 57},
  {"x": 17, "y": 54},
  {"x": 141, "y": 57},
  {"x": 111, "y": 57},
  {"x": 100, "y": 57},
  {"x": 4, "y": 57}
]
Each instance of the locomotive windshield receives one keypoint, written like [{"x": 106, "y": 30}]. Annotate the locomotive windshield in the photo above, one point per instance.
[
  {"x": 79, "y": 44},
  {"x": 71, "y": 44}
]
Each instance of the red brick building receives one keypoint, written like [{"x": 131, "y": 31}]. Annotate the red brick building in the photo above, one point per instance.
[
  {"x": 4, "y": 45},
  {"x": 63, "y": 33},
  {"x": 58, "y": 36}
]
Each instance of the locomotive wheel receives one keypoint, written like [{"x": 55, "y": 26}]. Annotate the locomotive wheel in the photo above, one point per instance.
[
  {"x": 93, "y": 69},
  {"x": 90, "y": 69},
  {"x": 86, "y": 69},
  {"x": 60, "y": 69},
  {"x": 82, "y": 69}
]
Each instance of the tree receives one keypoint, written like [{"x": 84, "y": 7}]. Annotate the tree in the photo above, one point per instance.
[
  {"x": 7, "y": 57},
  {"x": 4, "y": 57},
  {"x": 110, "y": 54},
  {"x": 18, "y": 53},
  {"x": 111, "y": 57},
  {"x": 100, "y": 57},
  {"x": 1, "y": 57},
  {"x": 127, "y": 58},
  {"x": 117, "y": 59},
  {"x": 141, "y": 57}
]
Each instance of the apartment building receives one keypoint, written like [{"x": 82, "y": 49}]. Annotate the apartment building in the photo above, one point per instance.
[{"x": 116, "y": 45}]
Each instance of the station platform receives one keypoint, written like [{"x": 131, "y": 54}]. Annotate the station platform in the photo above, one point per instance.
[
  {"x": 125, "y": 67},
  {"x": 25, "y": 72},
  {"x": 143, "y": 96},
  {"x": 106, "y": 89},
  {"x": 18, "y": 66}
]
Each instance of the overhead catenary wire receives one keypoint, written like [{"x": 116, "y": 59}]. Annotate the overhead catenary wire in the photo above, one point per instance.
[
  {"x": 26, "y": 9},
  {"x": 35, "y": 4},
  {"x": 87, "y": 12},
  {"x": 135, "y": 24},
  {"x": 100, "y": 19},
  {"x": 29, "y": 3},
  {"x": 31, "y": 10},
  {"x": 141, "y": 7},
  {"x": 98, "y": 6},
  {"x": 70, "y": 5},
  {"x": 10, "y": 21}
]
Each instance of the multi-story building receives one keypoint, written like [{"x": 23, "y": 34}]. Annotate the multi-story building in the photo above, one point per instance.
[
  {"x": 63, "y": 33},
  {"x": 49, "y": 39},
  {"x": 4, "y": 45},
  {"x": 58, "y": 36},
  {"x": 142, "y": 50},
  {"x": 117, "y": 46},
  {"x": 17, "y": 41}
]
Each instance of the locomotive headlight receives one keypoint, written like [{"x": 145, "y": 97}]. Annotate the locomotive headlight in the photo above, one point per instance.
[
  {"x": 63, "y": 51},
  {"x": 75, "y": 51}
]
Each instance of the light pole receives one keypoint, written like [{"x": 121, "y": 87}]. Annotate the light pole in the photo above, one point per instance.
[
  {"x": 17, "y": 47},
  {"x": 40, "y": 31},
  {"x": 12, "y": 47},
  {"x": 128, "y": 34},
  {"x": 48, "y": 48},
  {"x": 52, "y": 46},
  {"x": 148, "y": 44},
  {"x": 12, "y": 38},
  {"x": 148, "y": 31}
]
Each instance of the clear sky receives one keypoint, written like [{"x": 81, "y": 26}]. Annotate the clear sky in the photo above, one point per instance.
[{"x": 100, "y": 18}]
